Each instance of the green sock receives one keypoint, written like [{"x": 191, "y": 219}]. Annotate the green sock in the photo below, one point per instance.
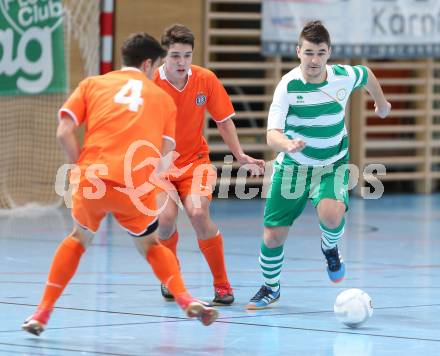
[
  {"x": 330, "y": 237},
  {"x": 271, "y": 261}
]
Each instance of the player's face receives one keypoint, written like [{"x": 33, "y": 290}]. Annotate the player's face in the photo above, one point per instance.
[
  {"x": 313, "y": 59},
  {"x": 178, "y": 60}
]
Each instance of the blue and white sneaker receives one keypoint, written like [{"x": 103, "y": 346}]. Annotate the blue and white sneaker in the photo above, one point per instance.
[
  {"x": 263, "y": 298},
  {"x": 335, "y": 264}
]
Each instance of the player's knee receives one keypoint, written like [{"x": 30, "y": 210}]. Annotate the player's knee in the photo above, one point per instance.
[
  {"x": 151, "y": 240},
  {"x": 167, "y": 220},
  {"x": 272, "y": 243},
  {"x": 144, "y": 243},
  {"x": 84, "y": 236},
  {"x": 198, "y": 215},
  {"x": 331, "y": 220},
  {"x": 272, "y": 238},
  {"x": 167, "y": 225}
]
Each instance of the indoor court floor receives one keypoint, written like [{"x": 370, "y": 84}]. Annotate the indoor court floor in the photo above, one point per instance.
[{"x": 113, "y": 305}]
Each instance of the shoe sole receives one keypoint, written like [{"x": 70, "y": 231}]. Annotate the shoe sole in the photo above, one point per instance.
[
  {"x": 254, "y": 307},
  {"x": 33, "y": 327},
  {"x": 222, "y": 304},
  {"x": 206, "y": 315},
  {"x": 218, "y": 304},
  {"x": 338, "y": 279}
]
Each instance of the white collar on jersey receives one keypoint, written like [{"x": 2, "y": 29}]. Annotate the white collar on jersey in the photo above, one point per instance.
[
  {"x": 131, "y": 68},
  {"x": 328, "y": 69},
  {"x": 162, "y": 72}
]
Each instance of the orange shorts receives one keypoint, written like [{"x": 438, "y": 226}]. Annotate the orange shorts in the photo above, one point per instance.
[
  {"x": 88, "y": 212},
  {"x": 198, "y": 179}
]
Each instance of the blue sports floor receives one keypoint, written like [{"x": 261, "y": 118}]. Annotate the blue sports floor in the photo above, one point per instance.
[{"x": 113, "y": 305}]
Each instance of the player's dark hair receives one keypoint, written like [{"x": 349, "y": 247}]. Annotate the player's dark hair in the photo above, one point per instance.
[
  {"x": 177, "y": 34},
  {"x": 139, "y": 47},
  {"x": 314, "y": 32}
]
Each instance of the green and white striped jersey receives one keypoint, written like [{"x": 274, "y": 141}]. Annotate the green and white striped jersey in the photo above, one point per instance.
[{"x": 315, "y": 113}]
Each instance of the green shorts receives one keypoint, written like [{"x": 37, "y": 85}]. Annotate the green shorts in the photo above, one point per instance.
[{"x": 292, "y": 185}]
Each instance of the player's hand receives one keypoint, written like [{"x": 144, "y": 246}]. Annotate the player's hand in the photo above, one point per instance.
[
  {"x": 382, "y": 110},
  {"x": 255, "y": 166},
  {"x": 294, "y": 145}
]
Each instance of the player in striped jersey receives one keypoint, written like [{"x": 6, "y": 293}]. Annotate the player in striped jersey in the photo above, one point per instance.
[{"x": 306, "y": 125}]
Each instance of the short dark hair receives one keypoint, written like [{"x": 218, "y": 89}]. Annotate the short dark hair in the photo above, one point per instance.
[
  {"x": 177, "y": 34},
  {"x": 139, "y": 47},
  {"x": 314, "y": 32}
]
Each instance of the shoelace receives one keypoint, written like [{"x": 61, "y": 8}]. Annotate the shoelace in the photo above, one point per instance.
[
  {"x": 333, "y": 261},
  {"x": 264, "y": 291}
]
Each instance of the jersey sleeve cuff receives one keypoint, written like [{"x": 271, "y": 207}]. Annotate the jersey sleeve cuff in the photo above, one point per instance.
[
  {"x": 68, "y": 112},
  {"x": 226, "y": 118}
]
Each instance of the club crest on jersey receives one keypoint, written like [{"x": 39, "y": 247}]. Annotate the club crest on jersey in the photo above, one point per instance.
[
  {"x": 341, "y": 94},
  {"x": 200, "y": 99}
]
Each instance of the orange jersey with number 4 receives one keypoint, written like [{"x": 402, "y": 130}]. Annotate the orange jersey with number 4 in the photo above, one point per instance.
[
  {"x": 203, "y": 91},
  {"x": 121, "y": 108}
]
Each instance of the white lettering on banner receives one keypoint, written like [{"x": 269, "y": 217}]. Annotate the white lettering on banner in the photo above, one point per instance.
[
  {"x": 30, "y": 13},
  {"x": 42, "y": 66},
  {"x": 370, "y": 28},
  {"x": 25, "y": 26},
  {"x": 7, "y": 4},
  {"x": 391, "y": 21}
]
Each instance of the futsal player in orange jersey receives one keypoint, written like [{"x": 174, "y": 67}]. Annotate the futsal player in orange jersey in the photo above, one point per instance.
[
  {"x": 120, "y": 109},
  {"x": 196, "y": 90}
]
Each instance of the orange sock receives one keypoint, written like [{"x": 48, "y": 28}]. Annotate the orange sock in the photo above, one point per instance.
[
  {"x": 212, "y": 249},
  {"x": 166, "y": 268},
  {"x": 171, "y": 243},
  {"x": 64, "y": 265}
]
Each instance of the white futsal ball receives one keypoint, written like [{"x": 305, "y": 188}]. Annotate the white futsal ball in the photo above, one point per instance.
[{"x": 353, "y": 307}]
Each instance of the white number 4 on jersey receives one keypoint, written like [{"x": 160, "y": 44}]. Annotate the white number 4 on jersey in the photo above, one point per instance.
[{"x": 130, "y": 94}]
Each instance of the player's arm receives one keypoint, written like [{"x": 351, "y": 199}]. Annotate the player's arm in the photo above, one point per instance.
[
  {"x": 281, "y": 143},
  {"x": 168, "y": 146},
  {"x": 382, "y": 106},
  {"x": 276, "y": 121},
  {"x": 67, "y": 138},
  {"x": 168, "y": 136},
  {"x": 71, "y": 115},
  {"x": 228, "y": 132},
  {"x": 220, "y": 107}
]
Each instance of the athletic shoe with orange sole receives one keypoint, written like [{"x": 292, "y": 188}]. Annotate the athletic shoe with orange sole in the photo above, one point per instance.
[
  {"x": 36, "y": 323},
  {"x": 197, "y": 309}
]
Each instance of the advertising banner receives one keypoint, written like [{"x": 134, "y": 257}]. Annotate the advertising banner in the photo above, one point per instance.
[
  {"x": 358, "y": 28},
  {"x": 31, "y": 47}
]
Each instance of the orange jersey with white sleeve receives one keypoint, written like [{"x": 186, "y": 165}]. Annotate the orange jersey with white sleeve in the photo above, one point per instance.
[
  {"x": 119, "y": 109},
  {"x": 203, "y": 91}
]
